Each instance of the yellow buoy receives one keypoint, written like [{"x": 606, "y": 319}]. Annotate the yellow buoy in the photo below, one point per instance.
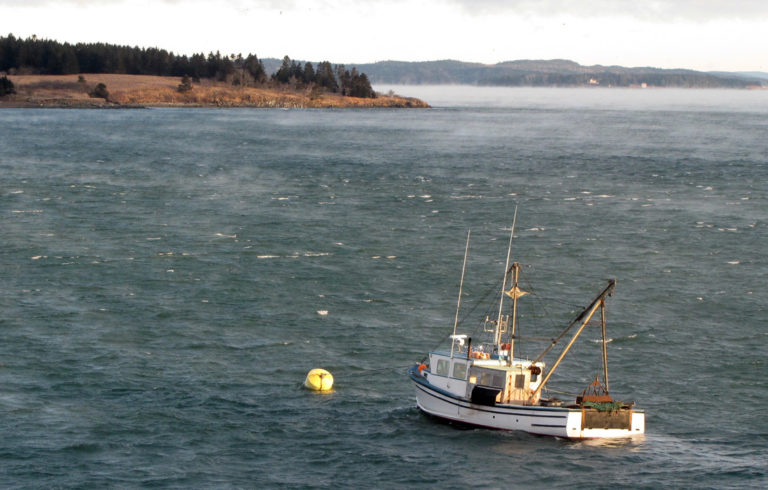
[{"x": 319, "y": 380}]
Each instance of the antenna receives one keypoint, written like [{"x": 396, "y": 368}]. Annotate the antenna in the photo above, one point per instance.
[
  {"x": 497, "y": 339},
  {"x": 458, "y": 303}
]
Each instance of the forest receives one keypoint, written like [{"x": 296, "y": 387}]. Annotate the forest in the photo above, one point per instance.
[{"x": 49, "y": 57}]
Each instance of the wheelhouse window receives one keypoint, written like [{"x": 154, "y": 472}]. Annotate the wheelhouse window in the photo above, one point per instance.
[
  {"x": 460, "y": 370},
  {"x": 487, "y": 377},
  {"x": 442, "y": 367},
  {"x": 520, "y": 381}
]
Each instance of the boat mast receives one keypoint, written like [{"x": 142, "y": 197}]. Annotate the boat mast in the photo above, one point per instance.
[
  {"x": 461, "y": 287},
  {"x": 605, "y": 346},
  {"x": 497, "y": 337},
  {"x": 515, "y": 295}
]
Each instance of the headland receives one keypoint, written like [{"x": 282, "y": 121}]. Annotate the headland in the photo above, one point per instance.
[{"x": 130, "y": 91}]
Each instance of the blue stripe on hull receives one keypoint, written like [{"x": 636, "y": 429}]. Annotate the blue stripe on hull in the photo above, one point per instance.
[
  {"x": 557, "y": 416},
  {"x": 520, "y": 410}
]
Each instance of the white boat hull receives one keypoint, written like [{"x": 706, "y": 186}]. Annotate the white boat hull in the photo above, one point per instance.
[{"x": 549, "y": 421}]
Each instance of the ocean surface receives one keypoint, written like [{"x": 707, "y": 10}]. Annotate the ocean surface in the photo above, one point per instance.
[{"x": 164, "y": 274}]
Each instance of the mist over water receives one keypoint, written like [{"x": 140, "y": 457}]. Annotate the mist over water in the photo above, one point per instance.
[
  {"x": 163, "y": 269},
  {"x": 592, "y": 98}
]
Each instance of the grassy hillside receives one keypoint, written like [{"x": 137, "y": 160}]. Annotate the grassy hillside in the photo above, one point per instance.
[{"x": 155, "y": 91}]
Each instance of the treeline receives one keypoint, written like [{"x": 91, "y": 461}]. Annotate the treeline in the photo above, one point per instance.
[
  {"x": 48, "y": 57},
  {"x": 333, "y": 79}
]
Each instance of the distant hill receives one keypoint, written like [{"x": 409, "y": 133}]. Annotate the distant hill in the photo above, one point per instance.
[
  {"x": 753, "y": 74},
  {"x": 548, "y": 73}
]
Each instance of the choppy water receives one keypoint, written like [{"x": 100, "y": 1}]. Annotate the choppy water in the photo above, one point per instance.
[{"x": 162, "y": 271}]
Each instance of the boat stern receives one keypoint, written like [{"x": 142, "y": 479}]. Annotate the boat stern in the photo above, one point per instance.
[{"x": 589, "y": 423}]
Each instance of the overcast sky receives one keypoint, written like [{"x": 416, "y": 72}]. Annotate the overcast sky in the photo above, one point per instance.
[{"x": 727, "y": 35}]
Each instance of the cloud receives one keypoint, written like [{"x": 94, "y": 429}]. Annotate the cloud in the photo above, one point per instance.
[
  {"x": 647, "y": 10},
  {"x": 644, "y": 10},
  {"x": 240, "y": 4}
]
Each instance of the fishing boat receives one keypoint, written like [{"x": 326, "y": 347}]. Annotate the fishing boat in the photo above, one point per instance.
[{"x": 489, "y": 384}]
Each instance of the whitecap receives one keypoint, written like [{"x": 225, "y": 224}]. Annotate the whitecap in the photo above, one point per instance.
[
  {"x": 733, "y": 262},
  {"x": 322, "y": 312},
  {"x": 267, "y": 256},
  {"x": 226, "y": 236}
]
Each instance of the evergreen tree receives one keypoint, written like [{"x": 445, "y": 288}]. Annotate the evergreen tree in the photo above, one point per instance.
[
  {"x": 185, "y": 85},
  {"x": 285, "y": 72},
  {"x": 360, "y": 86},
  {"x": 255, "y": 68},
  {"x": 325, "y": 78},
  {"x": 9, "y": 49},
  {"x": 6, "y": 86},
  {"x": 197, "y": 66},
  {"x": 344, "y": 77},
  {"x": 309, "y": 74},
  {"x": 100, "y": 91}
]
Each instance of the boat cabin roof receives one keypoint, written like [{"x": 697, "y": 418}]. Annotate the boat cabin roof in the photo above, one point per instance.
[{"x": 497, "y": 364}]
